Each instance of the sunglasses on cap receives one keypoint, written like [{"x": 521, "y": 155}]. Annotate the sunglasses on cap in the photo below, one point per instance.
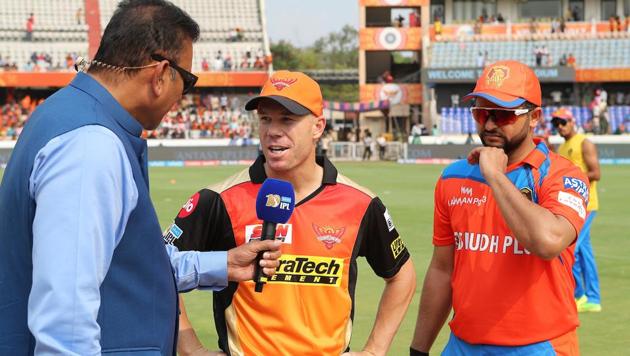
[
  {"x": 557, "y": 122},
  {"x": 500, "y": 116},
  {"x": 188, "y": 78}
]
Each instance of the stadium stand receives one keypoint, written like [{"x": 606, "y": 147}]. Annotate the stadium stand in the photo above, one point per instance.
[
  {"x": 207, "y": 116},
  {"x": 590, "y": 53},
  {"x": 57, "y": 31},
  {"x": 231, "y": 33},
  {"x": 460, "y": 121}
]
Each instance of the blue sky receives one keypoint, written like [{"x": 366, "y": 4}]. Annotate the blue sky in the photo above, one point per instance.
[{"x": 301, "y": 22}]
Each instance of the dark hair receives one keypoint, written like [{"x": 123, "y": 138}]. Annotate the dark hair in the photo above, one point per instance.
[{"x": 140, "y": 28}]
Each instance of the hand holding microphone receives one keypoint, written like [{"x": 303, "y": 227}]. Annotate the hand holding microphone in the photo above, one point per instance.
[{"x": 274, "y": 205}]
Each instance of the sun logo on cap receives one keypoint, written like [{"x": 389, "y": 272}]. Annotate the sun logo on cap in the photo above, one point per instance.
[
  {"x": 281, "y": 83},
  {"x": 497, "y": 75}
]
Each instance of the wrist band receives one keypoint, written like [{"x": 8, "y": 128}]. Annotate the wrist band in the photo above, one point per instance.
[{"x": 414, "y": 352}]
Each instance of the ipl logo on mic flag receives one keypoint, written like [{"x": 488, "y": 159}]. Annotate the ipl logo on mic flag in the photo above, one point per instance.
[
  {"x": 275, "y": 201},
  {"x": 278, "y": 201}
]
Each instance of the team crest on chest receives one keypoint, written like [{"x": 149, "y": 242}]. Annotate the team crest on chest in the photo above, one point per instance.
[{"x": 329, "y": 235}]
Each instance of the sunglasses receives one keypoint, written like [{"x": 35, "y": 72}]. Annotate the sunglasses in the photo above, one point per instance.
[
  {"x": 188, "y": 78},
  {"x": 557, "y": 122},
  {"x": 500, "y": 116}
]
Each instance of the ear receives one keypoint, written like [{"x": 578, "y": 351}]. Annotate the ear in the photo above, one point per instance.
[
  {"x": 158, "y": 78},
  {"x": 319, "y": 125},
  {"x": 535, "y": 117}
]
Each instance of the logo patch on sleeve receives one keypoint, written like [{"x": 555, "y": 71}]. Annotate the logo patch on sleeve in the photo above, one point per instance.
[
  {"x": 388, "y": 220},
  {"x": 572, "y": 202},
  {"x": 173, "y": 233},
  {"x": 576, "y": 185},
  {"x": 397, "y": 246},
  {"x": 189, "y": 207}
]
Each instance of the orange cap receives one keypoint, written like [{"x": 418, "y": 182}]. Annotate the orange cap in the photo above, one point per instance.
[
  {"x": 296, "y": 91},
  {"x": 508, "y": 84},
  {"x": 563, "y": 113}
]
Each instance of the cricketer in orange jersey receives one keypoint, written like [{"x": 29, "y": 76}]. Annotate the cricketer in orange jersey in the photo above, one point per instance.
[
  {"x": 307, "y": 308},
  {"x": 505, "y": 225}
]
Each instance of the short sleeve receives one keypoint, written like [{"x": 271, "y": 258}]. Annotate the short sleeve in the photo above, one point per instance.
[
  {"x": 381, "y": 245},
  {"x": 442, "y": 230},
  {"x": 565, "y": 192},
  {"x": 202, "y": 224}
]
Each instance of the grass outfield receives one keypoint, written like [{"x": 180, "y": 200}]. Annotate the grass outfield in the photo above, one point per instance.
[{"x": 407, "y": 190}]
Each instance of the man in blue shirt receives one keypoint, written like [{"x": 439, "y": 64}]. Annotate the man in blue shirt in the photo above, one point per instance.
[{"x": 83, "y": 268}]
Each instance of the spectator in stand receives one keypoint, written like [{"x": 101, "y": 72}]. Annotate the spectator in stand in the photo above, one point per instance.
[
  {"x": 563, "y": 61},
  {"x": 618, "y": 24},
  {"x": 437, "y": 26},
  {"x": 79, "y": 16},
  {"x": 205, "y": 66},
  {"x": 223, "y": 100},
  {"x": 538, "y": 54},
  {"x": 414, "y": 19},
  {"x": 259, "y": 63},
  {"x": 533, "y": 26},
  {"x": 555, "y": 25},
  {"x": 481, "y": 60},
  {"x": 563, "y": 25},
  {"x": 217, "y": 64},
  {"x": 500, "y": 18},
  {"x": 571, "y": 61},
  {"x": 227, "y": 63},
  {"x": 612, "y": 24},
  {"x": 30, "y": 23}
]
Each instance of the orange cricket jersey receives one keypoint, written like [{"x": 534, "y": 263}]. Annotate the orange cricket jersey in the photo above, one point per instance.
[
  {"x": 503, "y": 294},
  {"x": 307, "y": 307}
]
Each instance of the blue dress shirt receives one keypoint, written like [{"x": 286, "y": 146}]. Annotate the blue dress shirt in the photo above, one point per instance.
[{"x": 84, "y": 189}]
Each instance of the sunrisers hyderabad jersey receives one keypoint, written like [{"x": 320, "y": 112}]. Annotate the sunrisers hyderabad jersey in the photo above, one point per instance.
[
  {"x": 502, "y": 293},
  {"x": 306, "y": 308}
]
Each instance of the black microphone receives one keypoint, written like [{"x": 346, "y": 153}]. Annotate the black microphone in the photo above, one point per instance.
[{"x": 274, "y": 205}]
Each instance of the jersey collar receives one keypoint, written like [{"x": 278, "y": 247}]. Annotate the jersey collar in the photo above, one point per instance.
[
  {"x": 535, "y": 158},
  {"x": 257, "y": 170}
]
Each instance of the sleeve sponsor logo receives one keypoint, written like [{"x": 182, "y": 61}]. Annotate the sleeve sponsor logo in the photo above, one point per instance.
[
  {"x": 284, "y": 232},
  {"x": 577, "y": 185},
  {"x": 397, "y": 246},
  {"x": 189, "y": 207},
  {"x": 173, "y": 233},
  {"x": 572, "y": 202},
  {"x": 329, "y": 235},
  {"x": 388, "y": 220},
  {"x": 309, "y": 270},
  {"x": 277, "y": 201}
]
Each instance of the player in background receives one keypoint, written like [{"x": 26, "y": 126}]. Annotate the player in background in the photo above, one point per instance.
[
  {"x": 583, "y": 153},
  {"x": 505, "y": 223}
]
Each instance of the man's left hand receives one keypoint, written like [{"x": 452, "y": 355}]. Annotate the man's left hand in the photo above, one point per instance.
[{"x": 491, "y": 160}]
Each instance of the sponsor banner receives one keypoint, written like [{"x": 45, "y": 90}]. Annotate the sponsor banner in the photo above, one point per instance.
[
  {"x": 394, "y": 93},
  {"x": 308, "y": 270},
  {"x": 30, "y": 79},
  {"x": 389, "y": 3},
  {"x": 199, "y": 163},
  {"x": 603, "y": 75},
  {"x": 470, "y": 75},
  {"x": 390, "y": 39}
]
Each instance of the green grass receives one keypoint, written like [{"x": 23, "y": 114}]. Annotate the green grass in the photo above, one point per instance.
[{"x": 407, "y": 190}]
